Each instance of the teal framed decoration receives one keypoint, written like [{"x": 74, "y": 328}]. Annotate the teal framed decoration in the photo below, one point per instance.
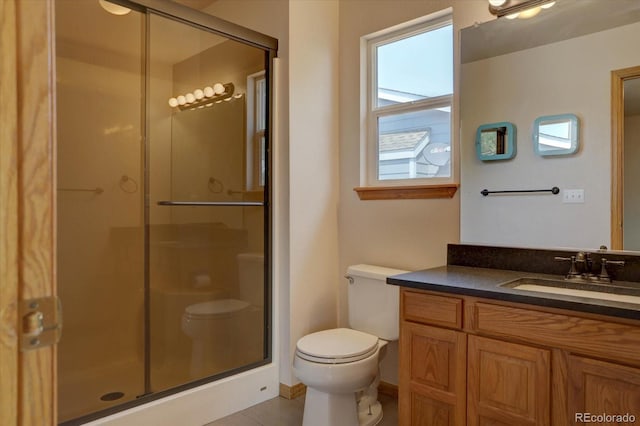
[
  {"x": 496, "y": 141},
  {"x": 556, "y": 134}
]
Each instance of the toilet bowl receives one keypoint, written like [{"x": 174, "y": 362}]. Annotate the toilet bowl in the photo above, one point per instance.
[
  {"x": 227, "y": 333},
  {"x": 335, "y": 364},
  {"x": 213, "y": 327},
  {"x": 340, "y": 367}
]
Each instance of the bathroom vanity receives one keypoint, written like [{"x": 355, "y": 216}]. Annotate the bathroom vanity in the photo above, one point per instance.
[{"x": 476, "y": 351}]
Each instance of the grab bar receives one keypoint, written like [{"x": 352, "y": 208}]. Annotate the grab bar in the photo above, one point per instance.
[
  {"x": 212, "y": 203},
  {"x": 94, "y": 190},
  {"x": 554, "y": 190}
]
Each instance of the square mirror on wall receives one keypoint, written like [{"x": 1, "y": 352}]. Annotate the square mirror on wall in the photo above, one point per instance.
[
  {"x": 496, "y": 141},
  {"x": 556, "y": 134}
]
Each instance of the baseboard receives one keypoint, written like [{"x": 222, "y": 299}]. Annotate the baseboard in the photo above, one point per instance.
[
  {"x": 292, "y": 392},
  {"x": 388, "y": 389}
]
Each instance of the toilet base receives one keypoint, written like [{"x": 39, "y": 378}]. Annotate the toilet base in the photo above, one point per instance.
[
  {"x": 369, "y": 415},
  {"x": 322, "y": 409}
]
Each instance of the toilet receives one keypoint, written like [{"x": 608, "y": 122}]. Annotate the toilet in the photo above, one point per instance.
[
  {"x": 222, "y": 330},
  {"x": 340, "y": 367}
]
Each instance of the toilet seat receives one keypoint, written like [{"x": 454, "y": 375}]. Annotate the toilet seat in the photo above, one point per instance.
[
  {"x": 215, "y": 308},
  {"x": 337, "y": 346}
]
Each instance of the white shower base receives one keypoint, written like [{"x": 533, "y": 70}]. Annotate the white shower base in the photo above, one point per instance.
[
  {"x": 79, "y": 391},
  {"x": 204, "y": 404}
]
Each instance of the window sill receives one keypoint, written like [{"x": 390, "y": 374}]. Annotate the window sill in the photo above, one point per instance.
[{"x": 406, "y": 192}]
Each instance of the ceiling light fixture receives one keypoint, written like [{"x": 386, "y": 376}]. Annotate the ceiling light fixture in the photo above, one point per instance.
[
  {"x": 204, "y": 97},
  {"x": 524, "y": 9},
  {"x": 113, "y": 8}
]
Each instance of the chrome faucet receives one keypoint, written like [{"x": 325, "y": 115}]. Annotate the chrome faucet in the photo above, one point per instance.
[
  {"x": 604, "y": 274},
  {"x": 584, "y": 258},
  {"x": 582, "y": 268}
]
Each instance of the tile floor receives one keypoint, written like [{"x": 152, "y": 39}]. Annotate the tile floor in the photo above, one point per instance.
[{"x": 285, "y": 412}]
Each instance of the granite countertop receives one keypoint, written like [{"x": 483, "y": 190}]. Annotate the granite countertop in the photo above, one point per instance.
[{"x": 486, "y": 283}]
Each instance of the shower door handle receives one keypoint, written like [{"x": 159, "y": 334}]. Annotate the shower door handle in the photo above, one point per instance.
[{"x": 212, "y": 203}]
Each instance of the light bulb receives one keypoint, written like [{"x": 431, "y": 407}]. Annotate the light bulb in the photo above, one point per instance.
[
  {"x": 190, "y": 98},
  {"x": 198, "y": 93},
  {"x": 547, "y": 5},
  {"x": 496, "y": 3},
  {"x": 530, "y": 13},
  {"x": 512, "y": 16},
  {"x": 218, "y": 88},
  {"x": 209, "y": 92},
  {"x": 113, "y": 8},
  {"x": 182, "y": 100},
  {"x": 173, "y": 102}
]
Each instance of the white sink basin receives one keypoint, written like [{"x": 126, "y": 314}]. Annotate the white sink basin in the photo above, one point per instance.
[
  {"x": 581, "y": 293},
  {"x": 568, "y": 288}
]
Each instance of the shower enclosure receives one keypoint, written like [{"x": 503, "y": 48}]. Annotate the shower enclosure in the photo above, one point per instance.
[{"x": 163, "y": 201}]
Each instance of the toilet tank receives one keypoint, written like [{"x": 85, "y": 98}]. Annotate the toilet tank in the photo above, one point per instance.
[
  {"x": 251, "y": 278},
  {"x": 373, "y": 304}
]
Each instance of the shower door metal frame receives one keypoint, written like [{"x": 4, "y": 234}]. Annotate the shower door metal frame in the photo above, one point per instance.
[{"x": 269, "y": 45}]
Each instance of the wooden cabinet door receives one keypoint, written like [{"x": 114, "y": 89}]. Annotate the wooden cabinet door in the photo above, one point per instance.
[
  {"x": 508, "y": 384},
  {"x": 432, "y": 376},
  {"x": 598, "y": 387},
  {"x": 27, "y": 197}
]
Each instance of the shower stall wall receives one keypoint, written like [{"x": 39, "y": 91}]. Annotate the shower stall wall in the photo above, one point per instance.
[{"x": 163, "y": 121}]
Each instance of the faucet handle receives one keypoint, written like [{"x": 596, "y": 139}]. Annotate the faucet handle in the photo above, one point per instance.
[
  {"x": 604, "y": 274},
  {"x": 572, "y": 269}
]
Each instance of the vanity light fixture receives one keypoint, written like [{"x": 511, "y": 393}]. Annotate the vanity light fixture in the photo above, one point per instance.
[
  {"x": 204, "y": 97},
  {"x": 524, "y": 9},
  {"x": 114, "y": 8}
]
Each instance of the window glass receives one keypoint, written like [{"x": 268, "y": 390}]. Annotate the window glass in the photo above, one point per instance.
[
  {"x": 409, "y": 133},
  {"x": 415, "y": 67},
  {"x": 415, "y": 144}
]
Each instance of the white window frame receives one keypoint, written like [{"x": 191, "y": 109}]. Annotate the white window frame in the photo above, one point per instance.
[
  {"x": 254, "y": 161},
  {"x": 373, "y": 112}
]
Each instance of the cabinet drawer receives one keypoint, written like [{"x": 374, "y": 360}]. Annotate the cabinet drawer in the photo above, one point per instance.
[
  {"x": 430, "y": 309},
  {"x": 588, "y": 336}
]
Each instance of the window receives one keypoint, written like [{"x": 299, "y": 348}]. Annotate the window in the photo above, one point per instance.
[
  {"x": 410, "y": 81},
  {"x": 256, "y": 125}
]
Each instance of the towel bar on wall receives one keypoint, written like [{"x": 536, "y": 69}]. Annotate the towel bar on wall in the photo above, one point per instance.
[
  {"x": 555, "y": 190},
  {"x": 212, "y": 203},
  {"x": 94, "y": 190}
]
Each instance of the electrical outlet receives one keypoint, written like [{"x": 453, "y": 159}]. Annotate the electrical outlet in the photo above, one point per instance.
[{"x": 573, "y": 196}]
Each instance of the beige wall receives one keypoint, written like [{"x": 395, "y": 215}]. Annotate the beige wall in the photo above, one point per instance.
[
  {"x": 313, "y": 168},
  {"x": 322, "y": 226},
  {"x": 404, "y": 234}
]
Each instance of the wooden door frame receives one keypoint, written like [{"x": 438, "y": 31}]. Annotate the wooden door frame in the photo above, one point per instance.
[
  {"x": 27, "y": 196},
  {"x": 618, "y": 78}
]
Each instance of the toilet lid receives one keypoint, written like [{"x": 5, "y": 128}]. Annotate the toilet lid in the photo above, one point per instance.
[
  {"x": 216, "y": 307},
  {"x": 337, "y": 345}
]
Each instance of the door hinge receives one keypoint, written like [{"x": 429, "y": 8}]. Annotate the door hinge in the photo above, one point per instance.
[{"x": 41, "y": 322}]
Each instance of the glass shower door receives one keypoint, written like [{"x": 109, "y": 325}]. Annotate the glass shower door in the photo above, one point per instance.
[
  {"x": 100, "y": 226},
  {"x": 162, "y": 172},
  {"x": 206, "y": 211}
]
